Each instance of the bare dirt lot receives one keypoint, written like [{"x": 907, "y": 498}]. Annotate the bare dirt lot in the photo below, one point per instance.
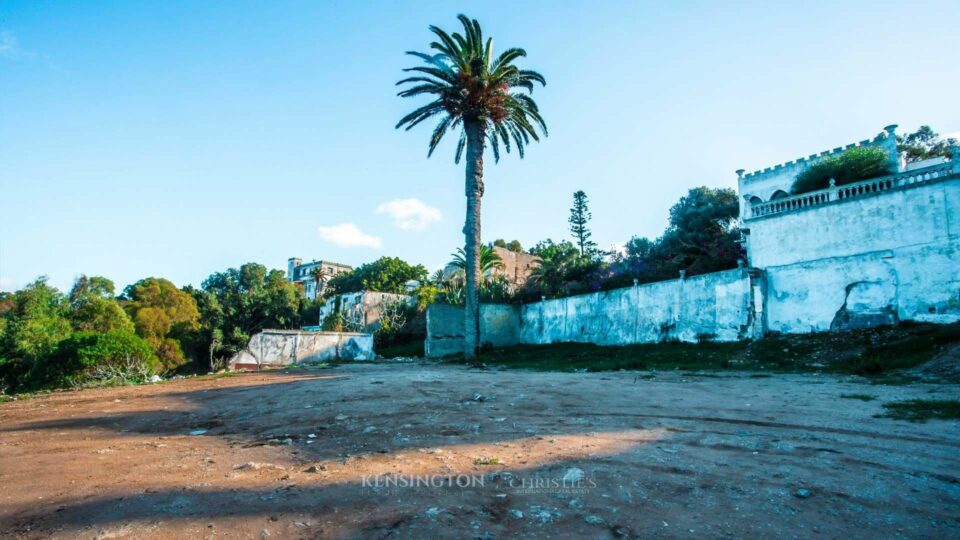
[{"x": 600, "y": 455}]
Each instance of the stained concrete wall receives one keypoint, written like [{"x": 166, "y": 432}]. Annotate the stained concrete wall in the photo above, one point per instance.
[
  {"x": 876, "y": 259},
  {"x": 277, "y": 348},
  {"x": 918, "y": 283},
  {"x": 363, "y": 309},
  {"x": 717, "y": 306},
  {"x": 916, "y": 215},
  {"x": 499, "y": 327}
]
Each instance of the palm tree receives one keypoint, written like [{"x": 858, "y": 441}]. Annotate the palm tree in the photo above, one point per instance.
[
  {"x": 489, "y": 260},
  {"x": 482, "y": 97},
  {"x": 318, "y": 274}
]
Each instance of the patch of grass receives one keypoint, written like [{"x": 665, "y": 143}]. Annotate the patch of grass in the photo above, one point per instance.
[
  {"x": 486, "y": 461},
  {"x": 589, "y": 357},
  {"x": 920, "y": 410},
  {"x": 861, "y": 397},
  {"x": 894, "y": 379},
  {"x": 407, "y": 350},
  {"x": 878, "y": 353}
]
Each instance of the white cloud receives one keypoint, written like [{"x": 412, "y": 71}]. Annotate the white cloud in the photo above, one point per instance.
[
  {"x": 349, "y": 235},
  {"x": 10, "y": 46},
  {"x": 410, "y": 214},
  {"x": 6, "y": 284}
]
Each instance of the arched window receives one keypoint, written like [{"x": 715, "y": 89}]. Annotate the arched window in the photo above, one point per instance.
[
  {"x": 755, "y": 200},
  {"x": 779, "y": 194}
]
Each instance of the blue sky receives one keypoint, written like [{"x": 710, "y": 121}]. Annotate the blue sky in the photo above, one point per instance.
[{"x": 177, "y": 139}]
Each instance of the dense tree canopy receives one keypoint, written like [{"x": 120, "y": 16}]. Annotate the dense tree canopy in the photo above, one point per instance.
[
  {"x": 513, "y": 245},
  {"x": 35, "y": 321},
  {"x": 163, "y": 315},
  {"x": 925, "y": 143},
  {"x": 93, "y": 307},
  {"x": 239, "y": 302},
  {"x": 386, "y": 274},
  {"x": 702, "y": 236},
  {"x": 851, "y": 166}
]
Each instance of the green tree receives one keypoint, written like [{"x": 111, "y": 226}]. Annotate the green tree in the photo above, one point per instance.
[
  {"x": 924, "y": 143},
  {"x": 93, "y": 307},
  {"x": 318, "y": 274},
  {"x": 562, "y": 269},
  {"x": 483, "y": 97},
  {"x": 702, "y": 236},
  {"x": 110, "y": 357},
  {"x": 489, "y": 261},
  {"x": 854, "y": 165},
  {"x": 239, "y": 302},
  {"x": 579, "y": 218},
  {"x": 386, "y": 274},
  {"x": 164, "y": 316},
  {"x": 37, "y": 322},
  {"x": 513, "y": 245},
  {"x": 639, "y": 248}
]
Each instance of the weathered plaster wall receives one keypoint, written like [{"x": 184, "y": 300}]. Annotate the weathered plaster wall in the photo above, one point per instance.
[
  {"x": 362, "y": 307},
  {"x": 924, "y": 214},
  {"x": 499, "y": 327},
  {"x": 276, "y": 348},
  {"x": 918, "y": 283},
  {"x": 874, "y": 259},
  {"x": 517, "y": 267},
  {"x": 716, "y": 306}
]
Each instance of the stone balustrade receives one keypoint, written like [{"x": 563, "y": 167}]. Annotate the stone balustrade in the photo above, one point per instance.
[{"x": 858, "y": 189}]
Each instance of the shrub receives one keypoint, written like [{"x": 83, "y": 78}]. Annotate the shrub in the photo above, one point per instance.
[
  {"x": 851, "y": 166},
  {"x": 87, "y": 358}
]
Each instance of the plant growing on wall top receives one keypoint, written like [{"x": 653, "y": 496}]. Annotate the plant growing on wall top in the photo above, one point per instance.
[{"x": 851, "y": 166}]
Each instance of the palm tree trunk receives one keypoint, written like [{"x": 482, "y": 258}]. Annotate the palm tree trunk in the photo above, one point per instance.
[{"x": 471, "y": 231}]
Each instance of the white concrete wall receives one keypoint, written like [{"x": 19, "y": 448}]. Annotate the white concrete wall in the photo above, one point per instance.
[
  {"x": 717, "y": 306},
  {"x": 499, "y": 327},
  {"x": 277, "y": 348},
  {"x": 874, "y": 259},
  {"x": 918, "y": 283},
  {"x": 363, "y": 307},
  {"x": 924, "y": 214}
]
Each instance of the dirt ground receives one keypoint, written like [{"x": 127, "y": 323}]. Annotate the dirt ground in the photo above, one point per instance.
[{"x": 327, "y": 453}]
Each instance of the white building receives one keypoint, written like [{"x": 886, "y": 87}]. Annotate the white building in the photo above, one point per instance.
[
  {"x": 314, "y": 275},
  {"x": 878, "y": 251}
]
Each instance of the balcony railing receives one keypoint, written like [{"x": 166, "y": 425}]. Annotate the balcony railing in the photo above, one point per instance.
[{"x": 859, "y": 189}]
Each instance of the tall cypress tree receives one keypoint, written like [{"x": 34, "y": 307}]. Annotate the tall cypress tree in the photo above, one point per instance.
[{"x": 579, "y": 217}]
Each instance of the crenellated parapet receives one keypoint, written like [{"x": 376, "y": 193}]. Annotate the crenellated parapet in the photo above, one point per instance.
[{"x": 775, "y": 182}]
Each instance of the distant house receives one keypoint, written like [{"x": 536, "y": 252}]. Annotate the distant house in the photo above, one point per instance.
[
  {"x": 517, "y": 267},
  {"x": 314, "y": 275}
]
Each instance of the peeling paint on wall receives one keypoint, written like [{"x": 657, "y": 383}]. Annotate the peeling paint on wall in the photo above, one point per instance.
[{"x": 278, "y": 348}]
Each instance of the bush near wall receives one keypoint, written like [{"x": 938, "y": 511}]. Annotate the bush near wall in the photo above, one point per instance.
[
  {"x": 851, "y": 166},
  {"x": 92, "y": 358}
]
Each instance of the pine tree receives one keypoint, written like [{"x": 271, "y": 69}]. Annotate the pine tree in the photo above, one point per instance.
[{"x": 579, "y": 217}]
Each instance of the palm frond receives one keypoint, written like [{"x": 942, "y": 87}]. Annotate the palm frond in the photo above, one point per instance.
[{"x": 471, "y": 85}]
